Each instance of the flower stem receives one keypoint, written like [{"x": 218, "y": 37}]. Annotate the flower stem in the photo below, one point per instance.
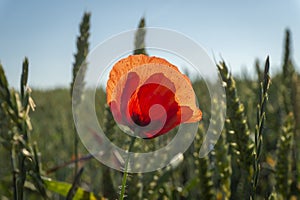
[{"x": 124, "y": 179}]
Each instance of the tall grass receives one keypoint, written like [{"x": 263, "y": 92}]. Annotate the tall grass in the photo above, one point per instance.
[{"x": 15, "y": 134}]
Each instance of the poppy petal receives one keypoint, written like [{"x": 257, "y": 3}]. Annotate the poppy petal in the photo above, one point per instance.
[
  {"x": 150, "y": 95},
  {"x": 131, "y": 84},
  {"x": 114, "y": 107},
  {"x": 125, "y": 65},
  {"x": 121, "y": 97}
]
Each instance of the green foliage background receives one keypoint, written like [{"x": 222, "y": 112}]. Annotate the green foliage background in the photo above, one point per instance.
[{"x": 227, "y": 173}]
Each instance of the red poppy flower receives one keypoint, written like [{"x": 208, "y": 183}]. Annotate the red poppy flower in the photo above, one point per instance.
[{"x": 150, "y": 96}]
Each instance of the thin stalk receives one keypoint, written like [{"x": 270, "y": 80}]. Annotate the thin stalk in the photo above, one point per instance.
[
  {"x": 14, "y": 173},
  {"x": 76, "y": 153},
  {"x": 124, "y": 179},
  {"x": 75, "y": 185}
]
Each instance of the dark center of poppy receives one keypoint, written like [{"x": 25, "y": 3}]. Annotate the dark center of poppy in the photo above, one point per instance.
[
  {"x": 140, "y": 119},
  {"x": 147, "y": 96}
]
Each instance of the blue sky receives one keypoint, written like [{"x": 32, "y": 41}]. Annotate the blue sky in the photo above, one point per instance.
[{"x": 46, "y": 31}]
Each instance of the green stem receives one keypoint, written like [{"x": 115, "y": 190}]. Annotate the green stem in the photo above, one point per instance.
[
  {"x": 14, "y": 173},
  {"x": 76, "y": 153},
  {"x": 124, "y": 179}
]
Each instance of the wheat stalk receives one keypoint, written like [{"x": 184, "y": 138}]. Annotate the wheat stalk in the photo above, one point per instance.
[
  {"x": 80, "y": 64},
  {"x": 260, "y": 120}
]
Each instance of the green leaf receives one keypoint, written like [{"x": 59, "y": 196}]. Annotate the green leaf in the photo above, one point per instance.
[{"x": 63, "y": 188}]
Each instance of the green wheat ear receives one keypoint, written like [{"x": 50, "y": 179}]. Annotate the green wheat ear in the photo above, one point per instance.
[
  {"x": 287, "y": 149},
  {"x": 80, "y": 64},
  {"x": 238, "y": 136},
  {"x": 288, "y": 75},
  {"x": 260, "y": 120},
  {"x": 283, "y": 166},
  {"x": 291, "y": 104},
  {"x": 139, "y": 43},
  {"x": 80, "y": 57}
]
